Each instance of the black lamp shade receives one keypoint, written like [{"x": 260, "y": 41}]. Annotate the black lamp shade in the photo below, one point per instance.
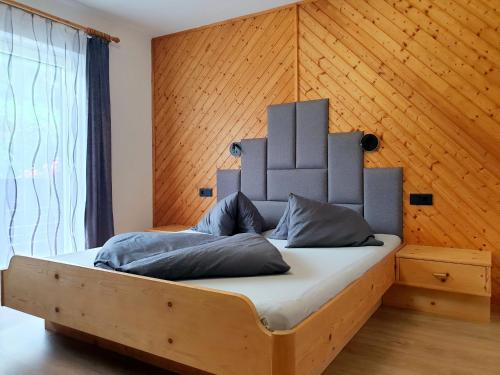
[{"x": 370, "y": 142}]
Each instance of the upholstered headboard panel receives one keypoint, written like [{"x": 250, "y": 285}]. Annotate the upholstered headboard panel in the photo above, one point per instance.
[{"x": 299, "y": 156}]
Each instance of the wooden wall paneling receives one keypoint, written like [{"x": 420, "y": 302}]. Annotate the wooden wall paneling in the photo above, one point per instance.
[
  {"x": 492, "y": 4},
  {"x": 184, "y": 89},
  {"x": 204, "y": 103},
  {"x": 461, "y": 31},
  {"x": 446, "y": 110},
  {"x": 257, "y": 68},
  {"x": 391, "y": 109},
  {"x": 209, "y": 95},
  {"x": 159, "y": 71},
  {"x": 283, "y": 94},
  {"x": 448, "y": 40},
  {"x": 212, "y": 159},
  {"x": 199, "y": 96},
  {"x": 422, "y": 74},
  {"x": 368, "y": 47},
  {"x": 229, "y": 98},
  {"x": 450, "y": 163},
  {"x": 213, "y": 68},
  {"x": 431, "y": 230},
  {"x": 488, "y": 136},
  {"x": 484, "y": 12},
  {"x": 296, "y": 40},
  {"x": 424, "y": 46},
  {"x": 413, "y": 62},
  {"x": 166, "y": 98},
  {"x": 385, "y": 158},
  {"x": 489, "y": 202},
  {"x": 468, "y": 19},
  {"x": 191, "y": 54}
]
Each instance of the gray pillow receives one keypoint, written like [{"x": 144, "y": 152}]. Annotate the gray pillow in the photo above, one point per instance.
[
  {"x": 249, "y": 220},
  {"x": 317, "y": 224},
  {"x": 233, "y": 214},
  {"x": 281, "y": 230},
  {"x": 221, "y": 219}
]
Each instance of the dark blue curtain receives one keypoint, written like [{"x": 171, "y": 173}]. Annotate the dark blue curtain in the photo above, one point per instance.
[{"x": 99, "y": 208}]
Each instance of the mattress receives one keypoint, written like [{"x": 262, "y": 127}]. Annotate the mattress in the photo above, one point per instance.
[{"x": 282, "y": 301}]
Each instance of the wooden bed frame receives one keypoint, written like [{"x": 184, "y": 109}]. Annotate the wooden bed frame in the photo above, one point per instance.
[{"x": 169, "y": 323}]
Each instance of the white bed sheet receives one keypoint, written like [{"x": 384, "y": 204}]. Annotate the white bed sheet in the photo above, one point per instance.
[{"x": 283, "y": 301}]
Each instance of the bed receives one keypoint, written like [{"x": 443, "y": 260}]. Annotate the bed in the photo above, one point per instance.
[
  {"x": 282, "y": 301},
  {"x": 284, "y": 324}
]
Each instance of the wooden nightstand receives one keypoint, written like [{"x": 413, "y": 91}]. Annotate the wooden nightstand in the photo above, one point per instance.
[
  {"x": 443, "y": 281},
  {"x": 169, "y": 228}
]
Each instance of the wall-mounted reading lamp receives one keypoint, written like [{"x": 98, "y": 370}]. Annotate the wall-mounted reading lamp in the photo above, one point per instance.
[
  {"x": 235, "y": 149},
  {"x": 370, "y": 142}
]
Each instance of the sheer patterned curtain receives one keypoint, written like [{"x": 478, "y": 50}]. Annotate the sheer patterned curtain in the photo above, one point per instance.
[{"x": 43, "y": 136}]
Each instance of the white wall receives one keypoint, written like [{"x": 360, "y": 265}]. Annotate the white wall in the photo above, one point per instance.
[{"x": 130, "y": 81}]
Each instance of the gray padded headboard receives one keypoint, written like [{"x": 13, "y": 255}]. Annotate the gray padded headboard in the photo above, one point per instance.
[{"x": 299, "y": 156}]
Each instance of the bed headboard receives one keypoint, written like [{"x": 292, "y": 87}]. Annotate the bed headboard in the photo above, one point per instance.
[{"x": 299, "y": 156}]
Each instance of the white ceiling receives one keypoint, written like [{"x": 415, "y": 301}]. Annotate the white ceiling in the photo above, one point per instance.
[{"x": 160, "y": 17}]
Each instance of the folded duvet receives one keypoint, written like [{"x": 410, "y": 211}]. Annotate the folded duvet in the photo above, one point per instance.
[{"x": 181, "y": 256}]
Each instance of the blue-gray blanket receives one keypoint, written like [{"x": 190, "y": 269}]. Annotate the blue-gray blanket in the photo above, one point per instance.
[{"x": 182, "y": 256}]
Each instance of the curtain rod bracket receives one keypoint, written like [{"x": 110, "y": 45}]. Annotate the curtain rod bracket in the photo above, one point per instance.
[{"x": 100, "y": 34}]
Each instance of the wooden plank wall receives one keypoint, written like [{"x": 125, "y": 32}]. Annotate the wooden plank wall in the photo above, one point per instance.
[
  {"x": 422, "y": 74},
  {"x": 212, "y": 86}
]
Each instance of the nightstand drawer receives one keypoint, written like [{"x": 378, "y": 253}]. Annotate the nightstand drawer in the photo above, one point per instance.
[{"x": 453, "y": 277}]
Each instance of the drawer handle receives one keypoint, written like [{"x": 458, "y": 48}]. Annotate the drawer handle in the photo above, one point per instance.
[{"x": 441, "y": 276}]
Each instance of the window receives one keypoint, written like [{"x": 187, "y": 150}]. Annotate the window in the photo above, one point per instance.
[{"x": 43, "y": 136}]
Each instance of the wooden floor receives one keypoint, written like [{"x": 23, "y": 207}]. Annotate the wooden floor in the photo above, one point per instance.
[{"x": 393, "y": 342}]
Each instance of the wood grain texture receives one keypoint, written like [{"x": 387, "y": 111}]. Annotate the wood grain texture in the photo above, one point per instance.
[
  {"x": 393, "y": 341},
  {"x": 446, "y": 254},
  {"x": 422, "y": 74},
  {"x": 439, "y": 302},
  {"x": 216, "y": 331},
  {"x": 444, "y": 281},
  {"x": 453, "y": 277},
  {"x": 211, "y": 87},
  {"x": 410, "y": 343},
  {"x": 189, "y": 325},
  {"x": 144, "y": 357}
]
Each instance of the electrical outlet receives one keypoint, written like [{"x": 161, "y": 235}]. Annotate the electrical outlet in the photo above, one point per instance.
[
  {"x": 421, "y": 199},
  {"x": 205, "y": 192}
]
